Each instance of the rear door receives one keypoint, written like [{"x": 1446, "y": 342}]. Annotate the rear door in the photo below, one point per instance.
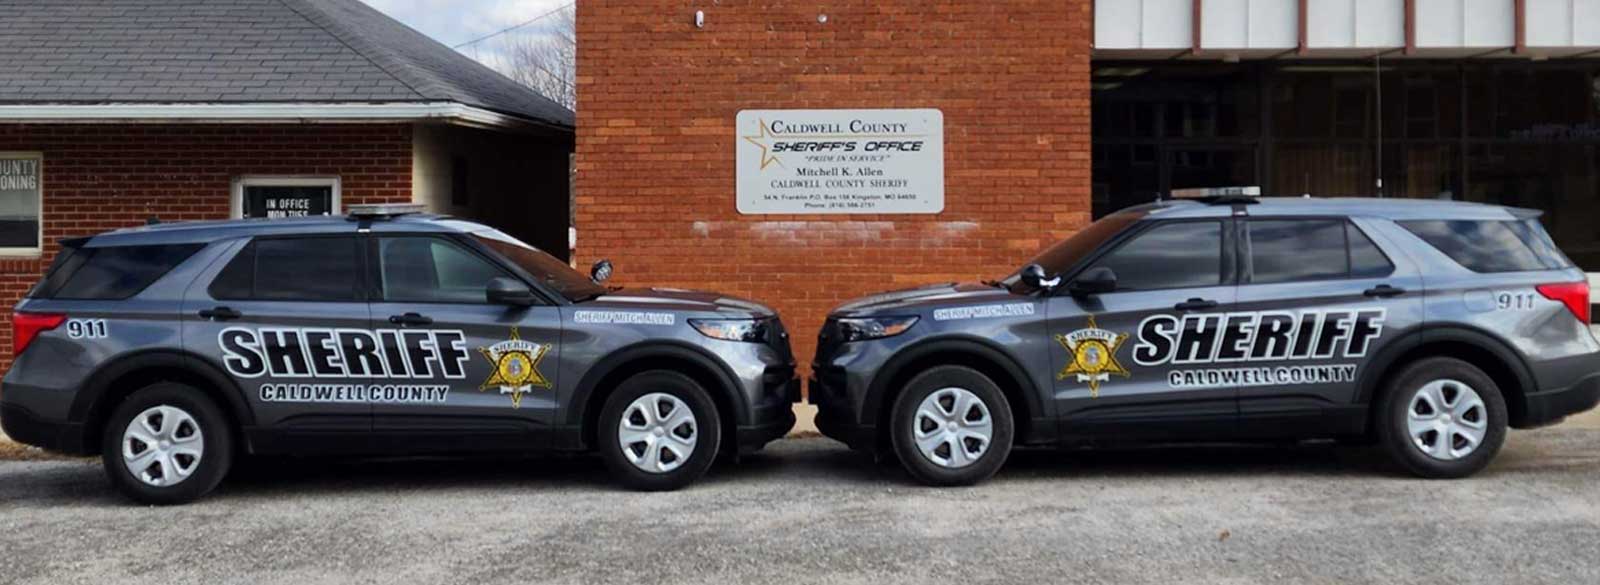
[
  {"x": 1114, "y": 353},
  {"x": 273, "y": 317},
  {"x": 1317, "y": 301},
  {"x": 495, "y": 363}
]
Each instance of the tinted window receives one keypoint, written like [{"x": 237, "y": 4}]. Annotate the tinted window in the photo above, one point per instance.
[
  {"x": 1296, "y": 250},
  {"x": 541, "y": 266},
  {"x": 115, "y": 272},
  {"x": 426, "y": 269},
  {"x": 1065, "y": 254},
  {"x": 1366, "y": 260},
  {"x": 293, "y": 269},
  {"x": 1491, "y": 246},
  {"x": 1173, "y": 255}
]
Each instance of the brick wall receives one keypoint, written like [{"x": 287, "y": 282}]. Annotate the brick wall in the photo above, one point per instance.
[
  {"x": 657, "y": 100},
  {"x": 102, "y": 177}
]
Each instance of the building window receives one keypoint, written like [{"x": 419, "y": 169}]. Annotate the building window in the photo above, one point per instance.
[
  {"x": 280, "y": 197},
  {"x": 21, "y": 197}
]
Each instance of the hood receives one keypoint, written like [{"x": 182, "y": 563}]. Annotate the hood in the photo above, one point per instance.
[
  {"x": 680, "y": 300},
  {"x": 952, "y": 293}
]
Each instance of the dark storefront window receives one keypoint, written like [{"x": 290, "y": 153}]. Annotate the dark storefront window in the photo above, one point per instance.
[{"x": 1511, "y": 133}]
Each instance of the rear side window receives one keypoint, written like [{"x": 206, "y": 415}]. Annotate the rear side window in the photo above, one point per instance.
[
  {"x": 292, "y": 269},
  {"x": 110, "y": 272},
  {"x": 1491, "y": 246},
  {"x": 1297, "y": 250}
]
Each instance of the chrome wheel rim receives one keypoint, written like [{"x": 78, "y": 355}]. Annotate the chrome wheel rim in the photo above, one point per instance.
[
  {"x": 1446, "y": 419},
  {"x": 953, "y": 428},
  {"x": 658, "y": 432},
  {"x": 163, "y": 446}
]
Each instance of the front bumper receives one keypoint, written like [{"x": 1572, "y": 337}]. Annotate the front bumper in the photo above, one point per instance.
[
  {"x": 836, "y": 419},
  {"x": 773, "y": 422},
  {"x": 1550, "y": 407}
]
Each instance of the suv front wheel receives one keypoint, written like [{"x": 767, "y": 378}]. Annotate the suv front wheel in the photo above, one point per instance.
[
  {"x": 951, "y": 426},
  {"x": 1442, "y": 418},
  {"x": 659, "y": 431},
  {"x": 167, "y": 444}
]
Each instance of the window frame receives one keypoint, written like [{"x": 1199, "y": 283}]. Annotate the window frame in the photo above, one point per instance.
[
  {"x": 37, "y": 250},
  {"x": 374, "y": 261},
  {"x": 362, "y": 288},
  {"x": 1247, "y": 259},
  {"x": 240, "y": 183},
  {"x": 1229, "y": 268}
]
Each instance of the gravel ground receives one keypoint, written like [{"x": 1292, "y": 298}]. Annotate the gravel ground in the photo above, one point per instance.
[{"x": 808, "y": 511}]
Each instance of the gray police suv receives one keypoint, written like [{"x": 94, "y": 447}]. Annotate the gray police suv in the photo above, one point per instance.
[
  {"x": 169, "y": 349},
  {"x": 1426, "y": 326}
]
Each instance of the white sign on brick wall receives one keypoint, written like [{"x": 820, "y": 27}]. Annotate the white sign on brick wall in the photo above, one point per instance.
[{"x": 840, "y": 161}]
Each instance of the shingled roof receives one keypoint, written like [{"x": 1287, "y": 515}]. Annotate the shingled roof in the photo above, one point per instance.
[{"x": 239, "y": 52}]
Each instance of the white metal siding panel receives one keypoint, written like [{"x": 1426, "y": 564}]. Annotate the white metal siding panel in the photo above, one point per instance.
[
  {"x": 1274, "y": 24},
  {"x": 1117, "y": 24},
  {"x": 1586, "y": 23},
  {"x": 1168, "y": 24},
  {"x": 1351, "y": 24},
  {"x": 1249, "y": 24},
  {"x": 1380, "y": 23},
  {"x": 1439, "y": 23},
  {"x": 1331, "y": 24},
  {"x": 1489, "y": 23},
  {"x": 1225, "y": 24}
]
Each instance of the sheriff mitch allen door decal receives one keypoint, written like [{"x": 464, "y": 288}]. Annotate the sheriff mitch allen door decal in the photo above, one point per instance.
[
  {"x": 1333, "y": 340},
  {"x": 516, "y": 367}
]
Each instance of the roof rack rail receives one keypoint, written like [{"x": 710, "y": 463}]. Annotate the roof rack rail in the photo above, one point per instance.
[
  {"x": 1218, "y": 195},
  {"x": 385, "y": 210}
]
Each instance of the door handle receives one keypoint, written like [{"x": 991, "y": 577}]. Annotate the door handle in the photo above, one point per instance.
[
  {"x": 409, "y": 319},
  {"x": 1384, "y": 291},
  {"x": 220, "y": 314},
  {"x": 1195, "y": 305}
]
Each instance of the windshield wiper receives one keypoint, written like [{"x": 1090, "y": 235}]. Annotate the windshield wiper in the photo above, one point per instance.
[{"x": 993, "y": 283}]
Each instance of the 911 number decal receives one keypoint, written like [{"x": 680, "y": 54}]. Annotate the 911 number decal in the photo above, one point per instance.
[
  {"x": 1513, "y": 301},
  {"x": 87, "y": 328}
]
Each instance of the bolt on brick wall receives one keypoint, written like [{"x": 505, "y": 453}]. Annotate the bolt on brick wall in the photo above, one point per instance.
[
  {"x": 657, "y": 99},
  {"x": 101, "y": 177}
]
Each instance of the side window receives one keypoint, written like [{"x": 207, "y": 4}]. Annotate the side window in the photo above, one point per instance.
[
  {"x": 1172, "y": 255},
  {"x": 1366, "y": 260},
  {"x": 432, "y": 270},
  {"x": 292, "y": 269},
  {"x": 1491, "y": 246},
  {"x": 111, "y": 272},
  {"x": 1297, "y": 250}
]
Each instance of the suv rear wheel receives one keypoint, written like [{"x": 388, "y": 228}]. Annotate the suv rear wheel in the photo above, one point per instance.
[
  {"x": 659, "y": 431},
  {"x": 167, "y": 444},
  {"x": 1442, "y": 418},
  {"x": 951, "y": 426}
]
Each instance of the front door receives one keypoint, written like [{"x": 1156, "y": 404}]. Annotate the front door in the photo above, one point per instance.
[
  {"x": 1321, "y": 299},
  {"x": 497, "y": 363},
  {"x": 274, "y": 317},
  {"x": 1116, "y": 353}
]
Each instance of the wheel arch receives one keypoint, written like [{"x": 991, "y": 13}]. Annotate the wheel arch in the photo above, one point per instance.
[
  {"x": 1486, "y": 352},
  {"x": 119, "y": 378},
  {"x": 590, "y": 395},
  {"x": 979, "y": 354}
]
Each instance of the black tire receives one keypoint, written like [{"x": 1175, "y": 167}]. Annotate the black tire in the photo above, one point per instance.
[
  {"x": 213, "y": 431},
  {"x": 1396, "y": 404},
  {"x": 707, "y": 434},
  {"x": 904, "y": 423}
]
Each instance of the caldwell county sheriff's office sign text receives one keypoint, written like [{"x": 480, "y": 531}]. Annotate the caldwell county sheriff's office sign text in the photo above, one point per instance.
[{"x": 840, "y": 161}]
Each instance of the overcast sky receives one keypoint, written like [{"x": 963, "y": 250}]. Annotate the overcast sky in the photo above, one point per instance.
[{"x": 453, "y": 22}]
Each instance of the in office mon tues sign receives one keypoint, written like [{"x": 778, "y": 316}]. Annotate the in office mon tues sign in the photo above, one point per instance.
[{"x": 840, "y": 161}]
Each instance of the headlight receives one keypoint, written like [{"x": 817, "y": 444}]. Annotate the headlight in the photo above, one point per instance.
[
  {"x": 858, "y": 329},
  {"x": 751, "y": 330}
]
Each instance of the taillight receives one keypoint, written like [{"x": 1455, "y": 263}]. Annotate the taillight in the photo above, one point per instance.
[
  {"x": 1575, "y": 295},
  {"x": 26, "y": 326}
]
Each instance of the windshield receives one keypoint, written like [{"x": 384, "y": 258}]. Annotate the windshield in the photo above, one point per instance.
[
  {"x": 1061, "y": 257},
  {"x": 544, "y": 267}
]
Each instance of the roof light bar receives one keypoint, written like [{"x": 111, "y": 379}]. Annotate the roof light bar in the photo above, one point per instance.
[
  {"x": 386, "y": 209},
  {"x": 1213, "y": 192}
]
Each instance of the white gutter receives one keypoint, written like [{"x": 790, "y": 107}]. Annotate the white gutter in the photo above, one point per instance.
[{"x": 449, "y": 112}]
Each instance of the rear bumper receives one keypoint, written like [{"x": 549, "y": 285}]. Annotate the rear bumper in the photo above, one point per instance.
[
  {"x": 1549, "y": 407},
  {"x": 23, "y": 426}
]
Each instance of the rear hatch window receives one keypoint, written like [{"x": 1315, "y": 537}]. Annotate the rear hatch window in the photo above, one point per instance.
[
  {"x": 1492, "y": 246},
  {"x": 108, "y": 272}
]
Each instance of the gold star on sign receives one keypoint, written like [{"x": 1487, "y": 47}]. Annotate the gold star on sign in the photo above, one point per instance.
[{"x": 766, "y": 158}]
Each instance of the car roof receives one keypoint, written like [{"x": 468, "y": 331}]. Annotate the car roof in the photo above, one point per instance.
[
  {"x": 1391, "y": 209},
  {"x": 209, "y": 231}
]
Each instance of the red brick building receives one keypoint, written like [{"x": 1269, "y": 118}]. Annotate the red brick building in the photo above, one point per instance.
[
  {"x": 658, "y": 97},
  {"x": 114, "y": 112}
]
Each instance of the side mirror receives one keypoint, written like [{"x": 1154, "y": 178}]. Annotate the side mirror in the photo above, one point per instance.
[
  {"x": 600, "y": 272},
  {"x": 1034, "y": 276},
  {"x": 506, "y": 291},
  {"x": 1093, "y": 281}
]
